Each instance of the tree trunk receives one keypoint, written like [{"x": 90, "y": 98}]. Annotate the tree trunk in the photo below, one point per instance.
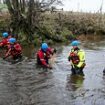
[{"x": 26, "y": 14}]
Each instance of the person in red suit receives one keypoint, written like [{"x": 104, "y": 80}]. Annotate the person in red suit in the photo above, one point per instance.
[
  {"x": 44, "y": 54},
  {"x": 14, "y": 49},
  {"x": 4, "y": 42}
]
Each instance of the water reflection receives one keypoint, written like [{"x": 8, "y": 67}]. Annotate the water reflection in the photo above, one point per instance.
[
  {"x": 93, "y": 42},
  {"x": 74, "y": 82}
]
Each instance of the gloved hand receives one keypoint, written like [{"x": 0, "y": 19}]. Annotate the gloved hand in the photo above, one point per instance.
[
  {"x": 69, "y": 58},
  {"x": 84, "y": 64}
]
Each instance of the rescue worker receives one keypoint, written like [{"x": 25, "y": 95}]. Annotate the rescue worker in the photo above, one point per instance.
[
  {"x": 14, "y": 50},
  {"x": 4, "y": 42},
  {"x": 44, "y": 54},
  {"x": 77, "y": 58}
]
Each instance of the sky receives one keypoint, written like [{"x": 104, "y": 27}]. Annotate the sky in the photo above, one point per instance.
[{"x": 84, "y": 5}]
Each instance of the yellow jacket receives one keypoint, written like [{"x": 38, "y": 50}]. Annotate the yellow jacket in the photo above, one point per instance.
[{"x": 81, "y": 55}]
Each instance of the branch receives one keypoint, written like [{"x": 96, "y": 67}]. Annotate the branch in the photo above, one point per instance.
[{"x": 9, "y": 5}]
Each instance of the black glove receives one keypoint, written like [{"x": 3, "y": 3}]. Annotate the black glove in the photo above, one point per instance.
[{"x": 69, "y": 58}]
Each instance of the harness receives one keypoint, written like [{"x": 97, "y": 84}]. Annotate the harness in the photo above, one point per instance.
[{"x": 74, "y": 57}]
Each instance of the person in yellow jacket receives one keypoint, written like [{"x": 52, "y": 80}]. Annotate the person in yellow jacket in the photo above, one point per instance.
[{"x": 77, "y": 58}]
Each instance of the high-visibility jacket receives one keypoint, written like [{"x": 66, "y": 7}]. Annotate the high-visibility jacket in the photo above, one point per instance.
[
  {"x": 78, "y": 57},
  {"x": 81, "y": 55}
]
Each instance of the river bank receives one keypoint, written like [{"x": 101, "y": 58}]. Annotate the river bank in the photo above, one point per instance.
[{"x": 57, "y": 27}]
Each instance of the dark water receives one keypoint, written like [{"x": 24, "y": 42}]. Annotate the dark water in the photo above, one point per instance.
[{"x": 25, "y": 84}]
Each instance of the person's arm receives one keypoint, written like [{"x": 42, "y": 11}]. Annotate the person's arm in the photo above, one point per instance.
[
  {"x": 82, "y": 59},
  {"x": 43, "y": 61},
  {"x": 7, "y": 54},
  {"x": 50, "y": 52},
  {"x": 69, "y": 58}
]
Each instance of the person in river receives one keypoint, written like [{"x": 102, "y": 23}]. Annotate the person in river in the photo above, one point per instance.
[
  {"x": 14, "y": 50},
  {"x": 4, "y": 42},
  {"x": 77, "y": 58},
  {"x": 44, "y": 54}
]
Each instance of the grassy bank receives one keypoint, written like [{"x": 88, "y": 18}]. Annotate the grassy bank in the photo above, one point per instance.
[{"x": 59, "y": 27}]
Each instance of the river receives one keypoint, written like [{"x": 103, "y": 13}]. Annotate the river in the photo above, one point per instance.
[{"x": 24, "y": 83}]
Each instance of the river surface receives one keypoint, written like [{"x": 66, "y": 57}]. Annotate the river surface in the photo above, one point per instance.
[{"x": 24, "y": 83}]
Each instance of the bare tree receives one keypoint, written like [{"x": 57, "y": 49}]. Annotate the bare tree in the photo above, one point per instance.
[{"x": 26, "y": 14}]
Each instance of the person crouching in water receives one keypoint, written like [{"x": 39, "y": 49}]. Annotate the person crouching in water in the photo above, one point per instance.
[
  {"x": 4, "y": 42},
  {"x": 77, "y": 58},
  {"x": 14, "y": 50},
  {"x": 44, "y": 54}
]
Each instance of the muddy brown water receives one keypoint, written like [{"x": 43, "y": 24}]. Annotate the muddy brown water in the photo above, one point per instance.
[{"x": 24, "y": 83}]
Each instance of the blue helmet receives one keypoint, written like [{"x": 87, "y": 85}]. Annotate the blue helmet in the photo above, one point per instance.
[
  {"x": 75, "y": 43},
  {"x": 12, "y": 40},
  {"x": 44, "y": 46},
  {"x": 5, "y": 34}
]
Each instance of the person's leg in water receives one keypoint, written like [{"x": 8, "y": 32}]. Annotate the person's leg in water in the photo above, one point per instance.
[
  {"x": 80, "y": 71},
  {"x": 73, "y": 70},
  {"x": 42, "y": 67}
]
